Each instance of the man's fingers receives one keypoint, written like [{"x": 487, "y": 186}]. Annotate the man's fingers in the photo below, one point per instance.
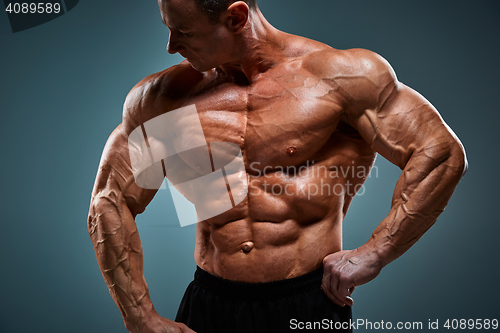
[
  {"x": 329, "y": 287},
  {"x": 346, "y": 287},
  {"x": 332, "y": 297},
  {"x": 338, "y": 288},
  {"x": 344, "y": 290},
  {"x": 325, "y": 284},
  {"x": 339, "y": 301},
  {"x": 337, "y": 284}
]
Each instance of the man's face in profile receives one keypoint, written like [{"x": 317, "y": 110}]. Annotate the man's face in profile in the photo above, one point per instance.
[{"x": 204, "y": 44}]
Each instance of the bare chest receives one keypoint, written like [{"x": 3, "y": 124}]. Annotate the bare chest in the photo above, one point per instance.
[{"x": 280, "y": 120}]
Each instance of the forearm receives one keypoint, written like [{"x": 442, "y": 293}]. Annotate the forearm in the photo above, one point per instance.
[
  {"x": 422, "y": 193},
  {"x": 119, "y": 254}
]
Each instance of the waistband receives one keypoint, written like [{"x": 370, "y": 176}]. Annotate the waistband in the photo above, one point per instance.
[{"x": 261, "y": 290}]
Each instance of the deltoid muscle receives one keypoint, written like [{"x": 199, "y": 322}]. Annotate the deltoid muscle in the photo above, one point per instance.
[{"x": 211, "y": 175}]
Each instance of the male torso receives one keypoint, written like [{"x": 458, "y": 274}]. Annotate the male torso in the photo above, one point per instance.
[
  {"x": 307, "y": 120},
  {"x": 303, "y": 161}
]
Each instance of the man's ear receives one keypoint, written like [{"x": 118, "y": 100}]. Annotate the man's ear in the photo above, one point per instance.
[{"x": 237, "y": 16}]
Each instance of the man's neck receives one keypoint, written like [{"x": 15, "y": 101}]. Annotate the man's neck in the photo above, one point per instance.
[{"x": 260, "y": 48}]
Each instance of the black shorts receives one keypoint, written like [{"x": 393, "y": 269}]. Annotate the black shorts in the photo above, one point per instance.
[{"x": 215, "y": 305}]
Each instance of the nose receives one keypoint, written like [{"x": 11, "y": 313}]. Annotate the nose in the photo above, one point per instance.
[{"x": 173, "y": 45}]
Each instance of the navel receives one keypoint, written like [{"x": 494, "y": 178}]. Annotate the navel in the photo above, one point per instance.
[
  {"x": 247, "y": 247},
  {"x": 291, "y": 151}
]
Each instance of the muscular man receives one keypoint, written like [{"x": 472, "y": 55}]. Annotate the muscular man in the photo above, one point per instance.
[{"x": 294, "y": 107}]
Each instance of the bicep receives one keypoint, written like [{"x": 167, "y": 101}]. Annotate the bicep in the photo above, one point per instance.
[
  {"x": 402, "y": 123},
  {"x": 115, "y": 180}
]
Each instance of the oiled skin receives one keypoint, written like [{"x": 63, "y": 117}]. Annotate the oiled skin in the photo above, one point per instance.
[{"x": 314, "y": 104}]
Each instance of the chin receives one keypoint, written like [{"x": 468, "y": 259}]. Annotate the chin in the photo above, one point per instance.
[{"x": 199, "y": 66}]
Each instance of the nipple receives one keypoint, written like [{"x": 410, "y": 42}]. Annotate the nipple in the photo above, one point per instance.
[
  {"x": 291, "y": 151},
  {"x": 247, "y": 247}
]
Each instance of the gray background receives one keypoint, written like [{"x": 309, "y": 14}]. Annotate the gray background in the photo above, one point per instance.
[{"x": 62, "y": 89}]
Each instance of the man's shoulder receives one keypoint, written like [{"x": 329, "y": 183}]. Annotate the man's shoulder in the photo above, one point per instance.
[
  {"x": 159, "y": 92},
  {"x": 357, "y": 74},
  {"x": 333, "y": 63}
]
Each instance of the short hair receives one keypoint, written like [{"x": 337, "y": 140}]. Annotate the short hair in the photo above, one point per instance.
[{"x": 214, "y": 8}]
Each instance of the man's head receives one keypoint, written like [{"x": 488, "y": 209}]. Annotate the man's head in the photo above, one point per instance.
[
  {"x": 205, "y": 32},
  {"x": 214, "y": 8}
]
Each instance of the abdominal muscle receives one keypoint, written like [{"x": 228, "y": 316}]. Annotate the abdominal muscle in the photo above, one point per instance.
[{"x": 271, "y": 236}]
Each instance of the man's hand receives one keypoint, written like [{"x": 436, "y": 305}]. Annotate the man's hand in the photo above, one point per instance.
[
  {"x": 157, "y": 324},
  {"x": 344, "y": 270}
]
